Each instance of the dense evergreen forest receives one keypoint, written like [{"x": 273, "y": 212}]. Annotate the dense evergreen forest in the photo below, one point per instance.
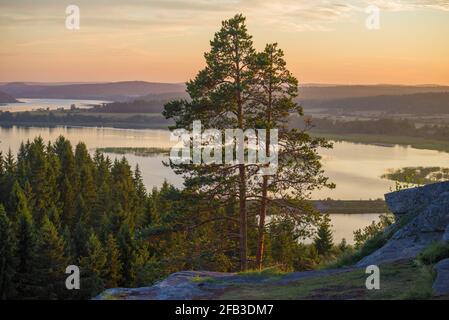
[{"x": 60, "y": 207}]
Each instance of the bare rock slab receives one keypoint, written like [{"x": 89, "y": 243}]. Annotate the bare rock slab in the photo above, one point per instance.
[
  {"x": 414, "y": 199},
  {"x": 441, "y": 285},
  {"x": 428, "y": 226}
]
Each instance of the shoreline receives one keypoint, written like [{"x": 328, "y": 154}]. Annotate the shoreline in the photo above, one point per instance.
[{"x": 367, "y": 139}]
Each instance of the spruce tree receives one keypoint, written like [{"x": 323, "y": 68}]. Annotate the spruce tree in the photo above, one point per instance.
[
  {"x": 113, "y": 265},
  {"x": 17, "y": 202},
  {"x": 67, "y": 181},
  {"x": 93, "y": 267},
  {"x": 324, "y": 239},
  {"x": 127, "y": 246},
  {"x": 26, "y": 254},
  {"x": 51, "y": 262},
  {"x": 8, "y": 261},
  {"x": 80, "y": 237}
]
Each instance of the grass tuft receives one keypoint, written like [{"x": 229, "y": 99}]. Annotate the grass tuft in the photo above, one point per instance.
[{"x": 434, "y": 253}]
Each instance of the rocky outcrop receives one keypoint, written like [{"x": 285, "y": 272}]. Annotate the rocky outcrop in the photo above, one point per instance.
[
  {"x": 441, "y": 285},
  {"x": 178, "y": 286},
  {"x": 414, "y": 199},
  {"x": 428, "y": 211},
  {"x": 192, "y": 285}
]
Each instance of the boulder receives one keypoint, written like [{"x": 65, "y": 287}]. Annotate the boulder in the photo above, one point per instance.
[
  {"x": 177, "y": 286},
  {"x": 414, "y": 199},
  {"x": 430, "y": 222},
  {"x": 441, "y": 285}
]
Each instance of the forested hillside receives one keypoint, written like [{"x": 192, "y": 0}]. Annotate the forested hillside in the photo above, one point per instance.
[
  {"x": 418, "y": 103},
  {"x": 6, "y": 98},
  {"x": 60, "y": 207}
]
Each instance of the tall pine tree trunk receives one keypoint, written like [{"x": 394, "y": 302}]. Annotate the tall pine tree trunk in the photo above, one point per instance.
[
  {"x": 263, "y": 205},
  {"x": 242, "y": 170},
  {"x": 243, "y": 219},
  {"x": 262, "y": 215}
]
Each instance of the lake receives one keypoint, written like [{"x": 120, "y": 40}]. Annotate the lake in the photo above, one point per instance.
[
  {"x": 355, "y": 168},
  {"x": 50, "y": 104}
]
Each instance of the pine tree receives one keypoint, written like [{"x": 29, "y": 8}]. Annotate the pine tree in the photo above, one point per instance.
[
  {"x": 324, "y": 239},
  {"x": 220, "y": 94},
  {"x": 299, "y": 168},
  {"x": 8, "y": 261}
]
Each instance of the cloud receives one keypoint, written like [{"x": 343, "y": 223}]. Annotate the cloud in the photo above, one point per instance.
[
  {"x": 185, "y": 15},
  {"x": 408, "y": 5}
]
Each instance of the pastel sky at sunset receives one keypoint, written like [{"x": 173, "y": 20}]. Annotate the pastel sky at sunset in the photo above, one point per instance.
[{"x": 325, "y": 41}]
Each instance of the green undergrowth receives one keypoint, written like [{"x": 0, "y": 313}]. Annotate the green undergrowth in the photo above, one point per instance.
[
  {"x": 434, "y": 253},
  {"x": 403, "y": 280},
  {"x": 371, "y": 245}
]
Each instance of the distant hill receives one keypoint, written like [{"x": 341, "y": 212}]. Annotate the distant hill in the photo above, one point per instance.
[
  {"x": 349, "y": 97},
  {"x": 115, "y": 91},
  {"x": 322, "y": 92},
  {"x": 429, "y": 103},
  {"x": 6, "y": 98}
]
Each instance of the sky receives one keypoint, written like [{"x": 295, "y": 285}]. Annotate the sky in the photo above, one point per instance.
[{"x": 325, "y": 41}]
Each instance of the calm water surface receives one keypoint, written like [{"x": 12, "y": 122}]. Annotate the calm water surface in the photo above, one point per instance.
[{"x": 355, "y": 168}]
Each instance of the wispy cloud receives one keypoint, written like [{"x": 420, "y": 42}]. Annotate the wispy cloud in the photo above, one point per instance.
[
  {"x": 407, "y": 5},
  {"x": 182, "y": 15}
]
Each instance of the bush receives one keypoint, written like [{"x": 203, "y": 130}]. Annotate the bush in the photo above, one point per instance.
[
  {"x": 434, "y": 253},
  {"x": 352, "y": 257},
  {"x": 361, "y": 236}
]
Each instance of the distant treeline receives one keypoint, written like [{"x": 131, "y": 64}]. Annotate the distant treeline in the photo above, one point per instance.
[
  {"x": 82, "y": 118},
  {"x": 137, "y": 106},
  {"x": 418, "y": 103},
  {"x": 379, "y": 127},
  {"x": 350, "y": 206}
]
